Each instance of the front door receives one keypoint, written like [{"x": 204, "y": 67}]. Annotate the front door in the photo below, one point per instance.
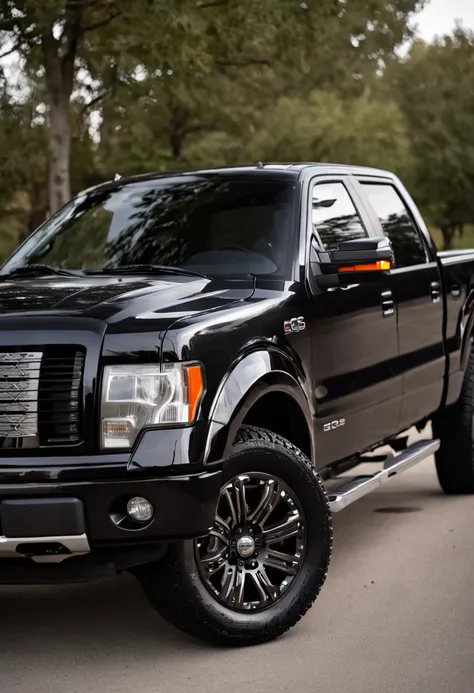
[
  {"x": 415, "y": 283},
  {"x": 354, "y": 338}
]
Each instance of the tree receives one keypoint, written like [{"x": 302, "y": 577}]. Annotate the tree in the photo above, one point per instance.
[
  {"x": 331, "y": 128},
  {"x": 99, "y": 51},
  {"x": 49, "y": 35},
  {"x": 434, "y": 87},
  {"x": 198, "y": 111}
]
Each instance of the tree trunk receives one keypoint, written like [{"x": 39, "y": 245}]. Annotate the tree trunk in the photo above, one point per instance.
[
  {"x": 59, "y": 64},
  {"x": 38, "y": 208},
  {"x": 178, "y": 131},
  {"x": 448, "y": 232},
  {"x": 59, "y": 136}
]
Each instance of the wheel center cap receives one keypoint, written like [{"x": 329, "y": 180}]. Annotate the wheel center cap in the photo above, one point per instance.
[{"x": 245, "y": 546}]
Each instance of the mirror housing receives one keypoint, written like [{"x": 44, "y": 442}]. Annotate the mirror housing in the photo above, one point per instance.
[{"x": 353, "y": 262}]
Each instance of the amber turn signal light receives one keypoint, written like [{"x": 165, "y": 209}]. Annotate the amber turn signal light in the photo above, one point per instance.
[
  {"x": 195, "y": 389},
  {"x": 379, "y": 266}
]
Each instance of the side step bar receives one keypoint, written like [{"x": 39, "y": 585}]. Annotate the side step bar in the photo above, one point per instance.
[{"x": 357, "y": 487}]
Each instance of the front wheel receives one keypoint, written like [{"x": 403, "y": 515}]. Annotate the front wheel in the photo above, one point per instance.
[{"x": 266, "y": 558}]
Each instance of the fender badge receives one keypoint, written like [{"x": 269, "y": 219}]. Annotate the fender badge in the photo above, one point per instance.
[{"x": 294, "y": 325}]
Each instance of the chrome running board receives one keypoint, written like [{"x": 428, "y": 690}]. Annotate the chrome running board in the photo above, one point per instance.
[
  {"x": 44, "y": 549},
  {"x": 357, "y": 487}
]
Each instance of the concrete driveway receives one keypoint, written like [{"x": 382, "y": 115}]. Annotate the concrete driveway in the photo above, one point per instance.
[{"x": 396, "y": 615}]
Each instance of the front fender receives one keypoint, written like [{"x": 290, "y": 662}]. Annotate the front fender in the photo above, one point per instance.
[{"x": 253, "y": 376}]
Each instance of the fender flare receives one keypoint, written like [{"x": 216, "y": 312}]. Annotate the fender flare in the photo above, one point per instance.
[{"x": 252, "y": 376}]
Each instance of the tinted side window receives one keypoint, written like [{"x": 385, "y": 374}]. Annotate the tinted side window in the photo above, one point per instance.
[
  {"x": 335, "y": 218},
  {"x": 397, "y": 224}
]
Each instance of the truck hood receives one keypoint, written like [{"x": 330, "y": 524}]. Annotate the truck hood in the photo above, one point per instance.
[{"x": 120, "y": 298}]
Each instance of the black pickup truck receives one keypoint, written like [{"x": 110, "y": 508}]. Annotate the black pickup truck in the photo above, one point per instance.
[{"x": 186, "y": 359}]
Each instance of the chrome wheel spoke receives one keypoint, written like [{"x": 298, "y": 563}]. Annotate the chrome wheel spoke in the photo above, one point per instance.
[
  {"x": 230, "y": 503},
  {"x": 217, "y": 535},
  {"x": 290, "y": 527},
  {"x": 222, "y": 525},
  {"x": 240, "y": 499},
  {"x": 237, "y": 596},
  {"x": 266, "y": 590},
  {"x": 285, "y": 562},
  {"x": 228, "y": 584},
  {"x": 268, "y": 502},
  {"x": 211, "y": 558},
  {"x": 212, "y": 570}
]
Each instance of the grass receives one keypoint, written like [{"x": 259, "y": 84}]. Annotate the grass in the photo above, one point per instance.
[{"x": 467, "y": 240}]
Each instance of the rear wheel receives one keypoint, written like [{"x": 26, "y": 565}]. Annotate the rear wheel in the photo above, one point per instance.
[
  {"x": 454, "y": 428},
  {"x": 266, "y": 558}
]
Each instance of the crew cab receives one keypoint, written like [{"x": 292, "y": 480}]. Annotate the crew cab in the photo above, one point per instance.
[{"x": 186, "y": 360}]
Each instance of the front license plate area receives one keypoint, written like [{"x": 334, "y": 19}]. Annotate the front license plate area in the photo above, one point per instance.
[{"x": 42, "y": 517}]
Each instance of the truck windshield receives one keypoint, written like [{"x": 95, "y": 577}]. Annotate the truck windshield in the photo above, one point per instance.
[{"x": 206, "y": 224}]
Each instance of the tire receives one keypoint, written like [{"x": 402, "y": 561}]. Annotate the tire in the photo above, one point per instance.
[
  {"x": 454, "y": 428},
  {"x": 182, "y": 590}
]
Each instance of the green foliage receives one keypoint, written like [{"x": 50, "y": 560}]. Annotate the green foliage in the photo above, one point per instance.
[
  {"x": 327, "y": 127},
  {"x": 171, "y": 84},
  {"x": 434, "y": 87}
]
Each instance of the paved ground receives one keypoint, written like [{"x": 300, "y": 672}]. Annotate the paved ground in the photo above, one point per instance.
[{"x": 396, "y": 615}]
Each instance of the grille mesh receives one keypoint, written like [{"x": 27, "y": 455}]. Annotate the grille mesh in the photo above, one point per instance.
[
  {"x": 41, "y": 396},
  {"x": 19, "y": 381},
  {"x": 59, "y": 396}
]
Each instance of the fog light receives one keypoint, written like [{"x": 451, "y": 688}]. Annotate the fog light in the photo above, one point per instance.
[{"x": 139, "y": 509}]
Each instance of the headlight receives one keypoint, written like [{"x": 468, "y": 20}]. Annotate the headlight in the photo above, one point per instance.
[{"x": 137, "y": 396}]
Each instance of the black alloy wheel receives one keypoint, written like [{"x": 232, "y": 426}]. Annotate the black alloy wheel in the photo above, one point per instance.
[
  {"x": 257, "y": 546},
  {"x": 264, "y": 562}
]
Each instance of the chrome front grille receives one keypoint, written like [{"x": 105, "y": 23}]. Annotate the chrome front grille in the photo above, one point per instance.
[
  {"x": 19, "y": 384},
  {"x": 41, "y": 396},
  {"x": 60, "y": 395}
]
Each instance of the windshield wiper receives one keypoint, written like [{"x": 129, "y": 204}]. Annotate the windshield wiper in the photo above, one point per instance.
[
  {"x": 154, "y": 269},
  {"x": 38, "y": 270}
]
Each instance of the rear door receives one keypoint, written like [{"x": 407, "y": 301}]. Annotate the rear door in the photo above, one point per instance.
[{"x": 415, "y": 283}]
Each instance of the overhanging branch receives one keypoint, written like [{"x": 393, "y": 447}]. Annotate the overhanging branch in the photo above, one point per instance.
[
  {"x": 93, "y": 102},
  {"x": 100, "y": 23},
  {"x": 216, "y": 3},
  {"x": 10, "y": 51},
  {"x": 242, "y": 63}
]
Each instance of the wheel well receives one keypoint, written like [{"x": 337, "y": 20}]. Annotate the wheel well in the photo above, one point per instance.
[{"x": 280, "y": 413}]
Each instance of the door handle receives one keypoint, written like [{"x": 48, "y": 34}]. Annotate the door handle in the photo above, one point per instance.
[
  {"x": 435, "y": 292},
  {"x": 388, "y": 304},
  {"x": 456, "y": 292}
]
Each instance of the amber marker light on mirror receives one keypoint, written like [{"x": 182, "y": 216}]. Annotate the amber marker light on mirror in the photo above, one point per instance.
[{"x": 379, "y": 266}]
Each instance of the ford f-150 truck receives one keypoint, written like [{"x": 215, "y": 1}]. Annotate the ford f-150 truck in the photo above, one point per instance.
[{"x": 186, "y": 359}]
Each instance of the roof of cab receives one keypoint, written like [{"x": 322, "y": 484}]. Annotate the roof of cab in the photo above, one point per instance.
[{"x": 292, "y": 170}]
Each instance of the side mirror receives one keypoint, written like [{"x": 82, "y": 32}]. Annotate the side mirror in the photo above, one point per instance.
[{"x": 352, "y": 262}]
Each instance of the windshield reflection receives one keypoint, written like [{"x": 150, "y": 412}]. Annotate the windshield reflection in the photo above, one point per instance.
[{"x": 207, "y": 224}]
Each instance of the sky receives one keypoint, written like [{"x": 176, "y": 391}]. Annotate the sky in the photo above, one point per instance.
[{"x": 439, "y": 17}]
